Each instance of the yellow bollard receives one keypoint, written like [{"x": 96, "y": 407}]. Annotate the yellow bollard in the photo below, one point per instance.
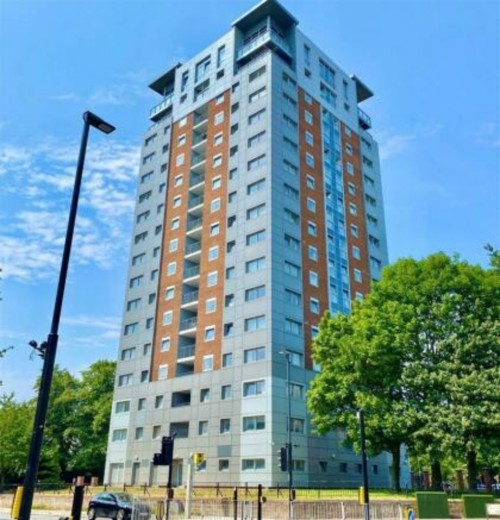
[
  {"x": 361, "y": 495},
  {"x": 16, "y": 503}
]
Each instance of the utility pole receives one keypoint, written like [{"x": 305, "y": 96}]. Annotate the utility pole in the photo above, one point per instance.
[{"x": 366, "y": 496}]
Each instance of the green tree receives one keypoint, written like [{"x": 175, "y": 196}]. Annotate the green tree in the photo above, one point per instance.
[
  {"x": 405, "y": 356},
  {"x": 15, "y": 428},
  {"x": 91, "y": 423}
]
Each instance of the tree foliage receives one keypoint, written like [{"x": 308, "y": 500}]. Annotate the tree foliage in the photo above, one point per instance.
[
  {"x": 76, "y": 428},
  {"x": 421, "y": 356}
]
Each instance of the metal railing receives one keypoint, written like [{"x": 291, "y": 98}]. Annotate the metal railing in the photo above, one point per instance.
[
  {"x": 193, "y": 224},
  {"x": 191, "y": 271},
  {"x": 193, "y": 247},
  {"x": 167, "y": 101},
  {"x": 186, "y": 351},
  {"x": 190, "y": 297},
  {"x": 189, "y": 323}
]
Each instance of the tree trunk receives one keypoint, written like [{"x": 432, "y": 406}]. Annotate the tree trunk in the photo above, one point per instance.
[
  {"x": 436, "y": 475},
  {"x": 471, "y": 470},
  {"x": 396, "y": 467}
]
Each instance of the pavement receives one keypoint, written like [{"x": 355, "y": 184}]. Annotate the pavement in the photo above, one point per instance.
[{"x": 36, "y": 515}]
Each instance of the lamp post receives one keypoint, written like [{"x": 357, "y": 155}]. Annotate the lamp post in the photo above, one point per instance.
[
  {"x": 48, "y": 348},
  {"x": 286, "y": 353},
  {"x": 366, "y": 497}
]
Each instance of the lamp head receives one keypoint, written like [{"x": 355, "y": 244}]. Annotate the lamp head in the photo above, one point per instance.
[{"x": 98, "y": 123}]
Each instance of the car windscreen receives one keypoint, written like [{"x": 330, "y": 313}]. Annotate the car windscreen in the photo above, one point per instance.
[{"x": 124, "y": 497}]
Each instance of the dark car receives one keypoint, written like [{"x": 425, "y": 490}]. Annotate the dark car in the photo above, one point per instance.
[{"x": 117, "y": 505}]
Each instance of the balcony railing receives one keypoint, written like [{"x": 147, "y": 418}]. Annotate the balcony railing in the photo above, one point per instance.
[
  {"x": 365, "y": 120},
  {"x": 196, "y": 179},
  {"x": 195, "y": 201},
  {"x": 186, "y": 351},
  {"x": 189, "y": 323},
  {"x": 193, "y": 247},
  {"x": 197, "y": 158},
  {"x": 193, "y": 224},
  {"x": 191, "y": 271},
  {"x": 190, "y": 297},
  {"x": 269, "y": 35},
  {"x": 160, "y": 107}
]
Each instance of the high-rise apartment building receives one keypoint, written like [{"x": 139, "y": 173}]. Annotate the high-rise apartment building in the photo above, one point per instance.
[{"x": 259, "y": 207}]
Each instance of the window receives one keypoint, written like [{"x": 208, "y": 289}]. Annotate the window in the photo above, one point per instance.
[
  {"x": 291, "y": 217},
  {"x": 354, "y": 230},
  {"x": 291, "y": 145},
  {"x": 312, "y": 253},
  {"x": 144, "y": 376},
  {"x": 311, "y": 205},
  {"x": 255, "y": 323},
  {"x": 291, "y": 192},
  {"x": 312, "y": 229},
  {"x": 353, "y": 210},
  {"x": 356, "y": 253},
  {"x": 165, "y": 345},
  {"x": 289, "y": 122},
  {"x": 227, "y": 360},
  {"x": 221, "y": 52},
  {"x": 257, "y": 116},
  {"x": 225, "y": 426},
  {"x": 133, "y": 304},
  {"x": 162, "y": 372},
  {"x": 179, "y": 160},
  {"x": 208, "y": 363},
  {"x": 210, "y": 305},
  {"x": 146, "y": 349},
  {"x": 375, "y": 469},
  {"x": 145, "y": 196},
  {"x": 289, "y": 100},
  {"x": 254, "y": 388},
  {"x": 149, "y": 323},
  {"x": 348, "y": 149},
  {"x": 255, "y": 293},
  {"x": 351, "y": 189},
  {"x": 213, "y": 253},
  {"x": 229, "y": 300},
  {"x": 298, "y": 465},
  {"x": 223, "y": 465},
  {"x": 256, "y": 212},
  {"x": 136, "y": 281},
  {"x": 160, "y": 208},
  {"x": 256, "y": 237},
  {"x": 230, "y": 273},
  {"x": 253, "y": 464},
  {"x": 292, "y": 297},
  {"x": 219, "y": 117},
  {"x": 142, "y": 216},
  {"x": 313, "y": 279},
  {"x": 204, "y": 395},
  {"x": 127, "y": 353},
  {"x": 171, "y": 268},
  {"x": 314, "y": 305},
  {"x": 212, "y": 278},
  {"x": 292, "y": 243},
  {"x": 257, "y": 139},
  {"x": 258, "y": 94},
  {"x": 173, "y": 245},
  {"x": 154, "y": 274},
  {"x": 293, "y": 327},
  {"x": 230, "y": 246},
  {"x": 209, "y": 333},
  {"x": 309, "y": 160},
  {"x": 167, "y": 318},
  {"x": 217, "y": 161},
  {"x": 292, "y": 269},
  {"x": 202, "y": 68},
  {"x": 225, "y": 392},
  {"x": 131, "y": 328},
  {"x": 309, "y": 138},
  {"x": 215, "y": 205},
  {"x": 141, "y": 403},
  {"x": 254, "y": 423},
  {"x": 296, "y": 390},
  {"x": 308, "y": 117},
  {"x": 175, "y": 224},
  {"x": 140, "y": 237},
  {"x": 255, "y": 265},
  {"x": 156, "y": 432},
  {"x": 219, "y": 99},
  {"x": 148, "y": 158},
  {"x": 202, "y": 427},
  {"x": 308, "y": 99},
  {"x": 310, "y": 182},
  {"x": 297, "y": 425},
  {"x": 255, "y": 187},
  {"x": 146, "y": 177},
  {"x": 257, "y": 74},
  {"x": 256, "y": 163},
  {"x": 139, "y": 433},
  {"x": 119, "y": 435},
  {"x": 253, "y": 355},
  {"x": 373, "y": 241},
  {"x": 122, "y": 407}
]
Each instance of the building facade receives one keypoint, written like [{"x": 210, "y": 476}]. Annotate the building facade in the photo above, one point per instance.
[{"x": 259, "y": 207}]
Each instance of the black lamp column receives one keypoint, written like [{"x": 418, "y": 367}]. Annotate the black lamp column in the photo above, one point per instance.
[{"x": 48, "y": 349}]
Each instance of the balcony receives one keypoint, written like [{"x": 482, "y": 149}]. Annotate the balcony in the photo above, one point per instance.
[
  {"x": 192, "y": 276},
  {"x": 193, "y": 250},
  {"x": 157, "y": 112},
  {"x": 195, "y": 204},
  {"x": 365, "y": 121},
  {"x": 185, "y": 353},
  {"x": 190, "y": 300},
  {"x": 188, "y": 326},
  {"x": 198, "y": 161},
  {"x": 196, "y": 183},
  {"x": 200, "y": 142},
  {"x": 200, "y": 122},
  {"x": 194, "y": 228},
  {"x": 268, "y": 37}
]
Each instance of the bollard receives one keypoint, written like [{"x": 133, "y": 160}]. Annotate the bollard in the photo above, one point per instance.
[
  {"x": 16, "y": 502},
  {"x": 76, "y": 508}
]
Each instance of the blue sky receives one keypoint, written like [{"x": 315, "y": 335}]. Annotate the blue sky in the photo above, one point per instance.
[{"x": 434, "y": 68}]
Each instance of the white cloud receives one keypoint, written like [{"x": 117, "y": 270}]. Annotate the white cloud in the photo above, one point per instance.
[
  {"x": 39, "y": 182},
  {"x": 488, "y": 135}
]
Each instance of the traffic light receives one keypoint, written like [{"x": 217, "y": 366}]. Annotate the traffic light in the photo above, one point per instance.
[
  {"x": 284, "y": 459},
  {"x": 167, "y": 451}
]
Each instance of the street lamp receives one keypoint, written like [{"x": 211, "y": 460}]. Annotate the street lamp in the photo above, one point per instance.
[
  {"x": 287, "y": 355},
  {"x": 366, "y": 497},
  {"x": 48, "y": 348}
]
